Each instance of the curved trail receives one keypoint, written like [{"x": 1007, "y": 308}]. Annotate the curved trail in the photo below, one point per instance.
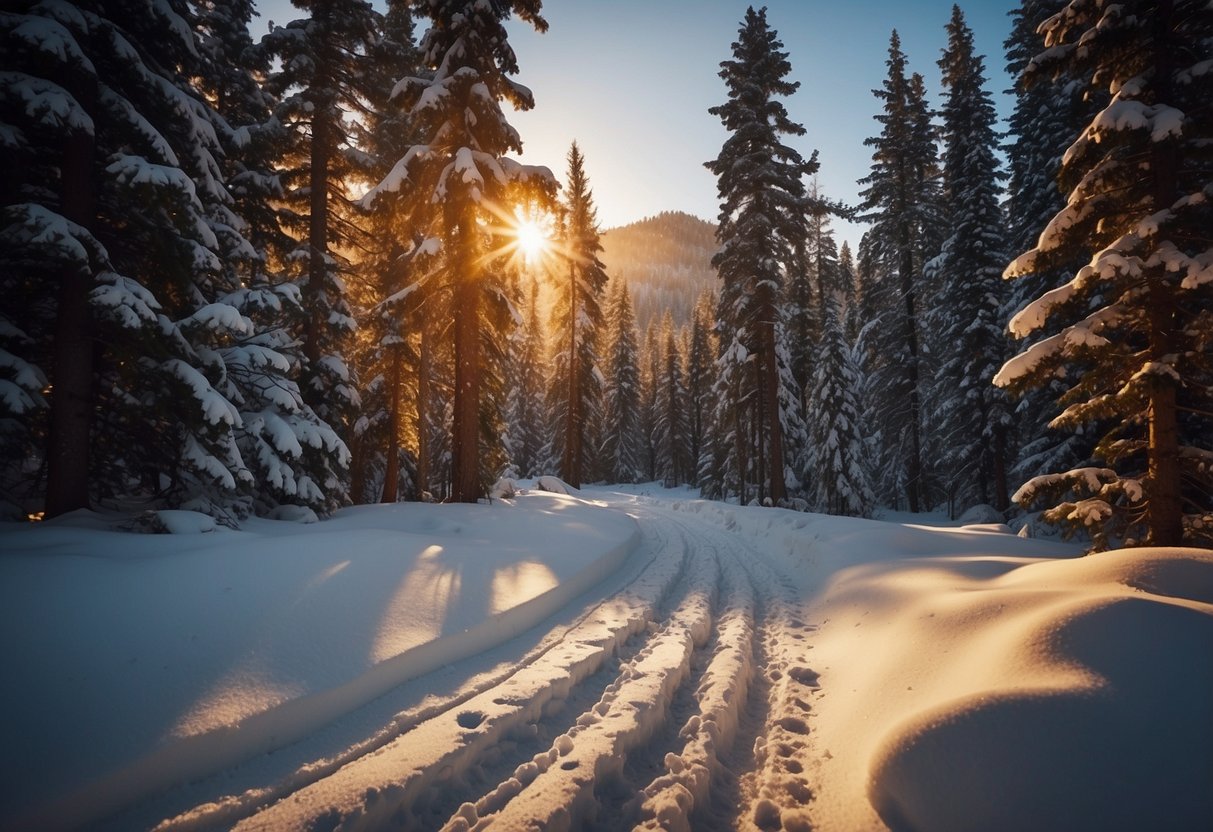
[{"x": 676, "y": 696}]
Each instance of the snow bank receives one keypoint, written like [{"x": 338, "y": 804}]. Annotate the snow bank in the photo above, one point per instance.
[
  {"x": 998, "y": 692},
  {"x": 137, "y": 661}
]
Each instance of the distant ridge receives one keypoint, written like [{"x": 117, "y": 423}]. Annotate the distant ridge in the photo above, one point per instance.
[{"x": 667, "y": 262}]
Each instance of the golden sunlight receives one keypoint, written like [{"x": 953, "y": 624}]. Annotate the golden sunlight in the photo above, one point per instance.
[{"x": 532, "y": 239}]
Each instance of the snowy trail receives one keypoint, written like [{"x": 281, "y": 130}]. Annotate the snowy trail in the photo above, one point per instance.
[{"x": 643, "y": 708}]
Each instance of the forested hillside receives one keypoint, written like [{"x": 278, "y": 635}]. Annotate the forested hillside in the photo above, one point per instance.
[{"x": 666, "y": 261}]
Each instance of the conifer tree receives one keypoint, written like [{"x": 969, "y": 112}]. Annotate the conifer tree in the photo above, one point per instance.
[
  {"x": 577, "y": 319},
  {"x": 459, "y": 184},
  {"x": 321, "y": 83},
  {"x": 389, "y": 304},
  {"x": 620, "y": 448},
  {"x": 971, "y": 419},
  {"x": 1135, "y": 345},
  {"x": 1049, "y": 114},
  {"x": 761, "y": 223},
  {"x": 650, "y": 383},
  {"x": 528, "y": 428},
  {"x": 670, "y": 427},
  {"x": 839, "y": 460},
  {"x": 115, "y": 193},
  {"x": 699, "y": 353},
  {"x": 901, "y": 203}
]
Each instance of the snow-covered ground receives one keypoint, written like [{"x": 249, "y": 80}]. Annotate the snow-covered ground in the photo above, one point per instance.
[{"x": 620, "y": 658}]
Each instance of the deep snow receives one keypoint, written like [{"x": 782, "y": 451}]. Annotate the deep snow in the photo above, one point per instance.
[{"x": 604, "y": 659}]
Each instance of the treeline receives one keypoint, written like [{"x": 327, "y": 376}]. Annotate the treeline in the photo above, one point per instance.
[
  {"x": 885, "y": 377},
  {"x": 248, "y": 276}
]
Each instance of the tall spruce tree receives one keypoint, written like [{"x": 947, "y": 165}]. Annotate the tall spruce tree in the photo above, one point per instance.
[
  {"x": 971, "y": 421},
  {"x": 761, "y": 225},
  {"x": 577, "y": 320},
  {"x": 620, "y": 448},
  {"x": 1049, "y": 114},
  {"x": 699, "y": 353},
  {"x": 528, "y": 425},
  {"x": 114, "y": 193},
  {"x": 459, "y": 184},
  {"x": 670, "y": 427},
  {"x": 901, "y": 202},
  {"x": 836, "y": 447},
  {"x": 1135, "y": 347},
  {"x": 321, "y": 84}
]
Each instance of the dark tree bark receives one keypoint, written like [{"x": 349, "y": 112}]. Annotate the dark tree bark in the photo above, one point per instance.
[
  {"x": 465, "y": 436},
  {"x": 74, "y": 348}
]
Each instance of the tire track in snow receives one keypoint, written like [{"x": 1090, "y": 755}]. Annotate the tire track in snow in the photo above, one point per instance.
[
  {"x": 521, "y": 758},
  {"x": 379, "y": 788},
  {"x": 559, "y": 789}
]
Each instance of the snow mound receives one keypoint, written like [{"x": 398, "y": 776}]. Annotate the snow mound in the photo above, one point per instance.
[
  {"x": 982, "y": 515},
  {"x": 293, "y": 514},
  {"x": 177, "y": 521},
  {"x": 1060, "y": 694},
  {"x": 555, "y": 485}
]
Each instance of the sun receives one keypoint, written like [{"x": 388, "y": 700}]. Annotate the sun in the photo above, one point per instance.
[{"x": 532, "y": 239}]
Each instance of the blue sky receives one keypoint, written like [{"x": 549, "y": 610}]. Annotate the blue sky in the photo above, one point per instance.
[{"x": 632, "y": 80}]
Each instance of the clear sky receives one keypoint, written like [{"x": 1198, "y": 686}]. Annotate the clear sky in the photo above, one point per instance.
[{"x": 632, "y": 81}]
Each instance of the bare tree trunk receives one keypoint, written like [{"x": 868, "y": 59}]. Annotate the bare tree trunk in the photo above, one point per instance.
[
  {"x": 423, "y": 409},
  {"x": 317, "y": 240},
  {"x": 570, "y": 465},
  {"x": 770, "y": 372},
  {"x": 1164, "y": 511},
  {"x": 391, "y": 469},
  {"x": 465, "y": 438},
  {"x": 74, "y": 348},
  {"x": 914, "y": 462}
]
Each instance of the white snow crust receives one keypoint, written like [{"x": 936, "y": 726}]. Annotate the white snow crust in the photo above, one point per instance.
[{"x": 626, "y": 657}]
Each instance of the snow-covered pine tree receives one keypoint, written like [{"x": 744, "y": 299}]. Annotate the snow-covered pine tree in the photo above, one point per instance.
[
  {"x": 1135, "y": 348},
  {"x": 295, "y": 457},
  {"x": 1049, "y": 113},
  {"x": 670, "y": 425},
  {"x": 525, "y": 414},
  {"x": 459, "y": 169},
  {"x": 901, "y": 202},
  {"x": 579, "y": 280},
  {"x": 650, "y": 381},
  {"x": 321, "y": 86},
  {"x": 115, "y": 193},
  {"x": 836, "y": 445},
  {"x": 388, "y": 300},
  {"x": 971, "y": 418},
  {"x": 700, "y": 352},
  {"x": 620, "y": 448},
  {"x": 762, "y": 222},
  {"x": 849, "y": 280}
]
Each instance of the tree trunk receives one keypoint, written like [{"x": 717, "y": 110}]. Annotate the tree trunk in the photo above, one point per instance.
[
  {"x": 391, "y": 470},
  {"x": 317, "y": 239},
  {"x": 423, "y": 409},
  {"x": 74, "y": 349},
  {"x": 571, "y": 464},
  {"x": 779, "y": 492},
  {"x": 914, "y": 462},
  {"x": 465, "y": 438},
  {"x": 1164, "y": 512}
]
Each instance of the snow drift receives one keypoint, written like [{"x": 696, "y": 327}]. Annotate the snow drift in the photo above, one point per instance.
[{"x": 137, "y": 661}]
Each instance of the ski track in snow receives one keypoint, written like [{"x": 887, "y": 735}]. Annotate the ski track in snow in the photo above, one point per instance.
[{"x": 676, "y": 695}]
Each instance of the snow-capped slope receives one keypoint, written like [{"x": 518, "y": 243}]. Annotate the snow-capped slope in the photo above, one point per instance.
[{"x": 740, "y": 668}]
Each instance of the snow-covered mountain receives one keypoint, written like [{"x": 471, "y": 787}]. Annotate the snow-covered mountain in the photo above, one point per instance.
[{"x": 667, "y": 262}]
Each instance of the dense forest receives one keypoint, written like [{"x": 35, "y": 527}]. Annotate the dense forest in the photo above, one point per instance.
[
  {"x": 666, "y": 260},
  {"x": 284, "y": 275}
]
